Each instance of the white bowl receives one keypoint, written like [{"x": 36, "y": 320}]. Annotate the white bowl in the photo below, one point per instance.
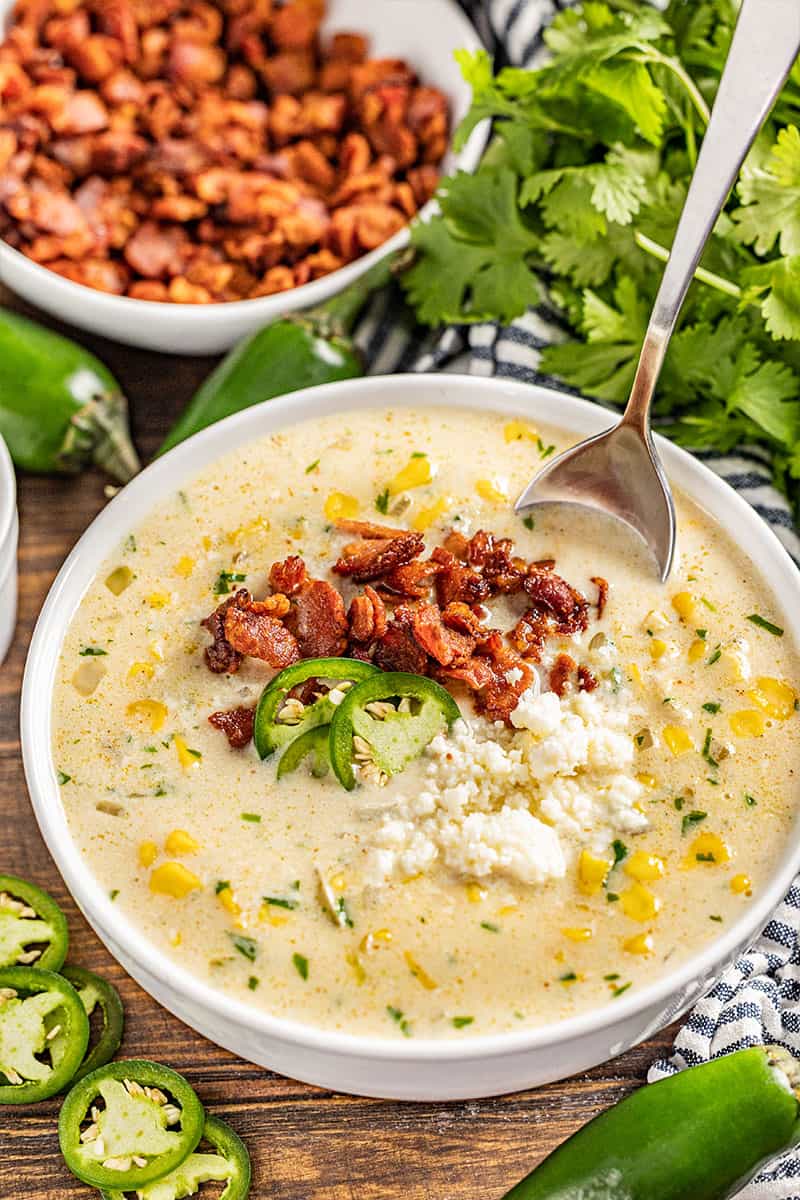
[
  {"x": 414, "y": 1069},
  {"x": 9, "y": 526},
  {"x": 425, "y": 33}
]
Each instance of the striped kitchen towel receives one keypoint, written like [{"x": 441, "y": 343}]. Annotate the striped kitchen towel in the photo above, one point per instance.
[{"x": 758, "y": 999}]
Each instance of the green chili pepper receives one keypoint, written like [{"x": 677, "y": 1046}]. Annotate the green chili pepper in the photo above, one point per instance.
[
  {"x": 229, "y": 1164},
  {"x": 270, "y": 734},
  {"x": 96, "y": 992},
  {"x": 314, "y": 744},
  {"x": 699, "y": 1135},
  {"x": 44, "y": 1032},
  {"x": 128, "y": 1124},
  {"x": 60, "y": 408},
  {"x": 300, "y": 351},
  {"x": 396, "y": 714},
  {"x": 33, "y": 929}
]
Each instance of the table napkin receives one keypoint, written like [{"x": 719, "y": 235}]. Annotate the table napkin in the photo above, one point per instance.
[{"x": 758, "y": 999}]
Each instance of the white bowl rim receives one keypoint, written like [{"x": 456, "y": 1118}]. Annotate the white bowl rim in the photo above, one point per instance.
[
  {"x": 304, "y": 296},
  {"x": 186, "y": 460},
  {"x": 8, "y": 502}
]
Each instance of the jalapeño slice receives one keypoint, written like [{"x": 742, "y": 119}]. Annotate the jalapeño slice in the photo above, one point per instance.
[
  {"x": 33, "y": 929},
  {"x": 129, "y": 1123},
  {"x": 312, "y": 744},
  {"x": 98, "y": 993},
  {"x": 228, "y": 1163},
  {"x": 395, "y": 715},
  {"x": 44, "y": 1032},
  {"x": 270, "y": 732}
]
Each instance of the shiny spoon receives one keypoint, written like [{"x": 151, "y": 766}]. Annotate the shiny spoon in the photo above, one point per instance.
[{"x": 619, "y": 471}]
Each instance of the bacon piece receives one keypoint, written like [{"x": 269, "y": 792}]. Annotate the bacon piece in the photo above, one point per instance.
[
  {"x": 252, "y": 628},
  {"x": 220, "y": 656},
  {"x": 369, "y": 530},
  {"x": 530, "y": 633},
  {"x": 377, "y": 558},
  {"x": 288, "y": 576},
  {"x": 318, "y": 620},
  {"x": 446, "y": 646},
  {"x": 551, "y": 592},
  {"x": 457, "y": 545},
  {"x": 367, "y": 617},
  {"x": 398, "y": 649},
  {"x": 462, "y": 618},
  {"x": 236, "y": 724},
  {"x": 413, "y": 581},
  {"x": 475, "y": 673},
  {"x": 560, "y": 673},
  {"x": 494, "y": 558},
  {"x": 511, "y": 676},
  {"x": 156, "y": 252},
  {"x": 456, "y": 582},
  {"x": 587, "y": 681},
  {"x": 602, "y": 594}
]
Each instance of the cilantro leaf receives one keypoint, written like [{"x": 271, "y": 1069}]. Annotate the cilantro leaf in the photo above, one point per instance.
[{"x": 769, "y": 189}]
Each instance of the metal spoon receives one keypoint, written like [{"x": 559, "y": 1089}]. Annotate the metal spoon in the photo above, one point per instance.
[{"x": 619, "y": 471}]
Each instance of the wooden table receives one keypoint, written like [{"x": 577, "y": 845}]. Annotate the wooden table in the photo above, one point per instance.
[{"x": 306, "y": 1144}]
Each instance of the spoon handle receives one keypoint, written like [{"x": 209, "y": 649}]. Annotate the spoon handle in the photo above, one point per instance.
[{"x": 764, "y": 46}]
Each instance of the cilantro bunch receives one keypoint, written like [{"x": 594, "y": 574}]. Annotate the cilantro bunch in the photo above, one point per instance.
[{"x": 576, "y": 204}]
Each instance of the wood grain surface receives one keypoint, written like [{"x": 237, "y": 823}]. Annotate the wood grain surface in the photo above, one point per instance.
[{"x": 306, "y": 1144}]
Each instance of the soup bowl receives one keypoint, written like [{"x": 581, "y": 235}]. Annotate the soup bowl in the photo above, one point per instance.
[
  {"x": 424, "y": 32},
  {"x": 414, "y": 1069}
]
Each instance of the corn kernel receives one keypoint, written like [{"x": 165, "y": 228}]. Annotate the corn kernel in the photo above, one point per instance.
[
  {"x": 592, "y": 873},
  {"x": 173, "y": 879},
  {"x": 635, "y": 673},
  {"x": 141, "y": 668},
  {"x": 184, "y": 566},
  {"x": 206, "y": 542},
  {"x": 492, "y": 490},
  {"x": 228, "y": 902},
  {"x": 475, "y": 893},
  {"x": 741, "y": 885},
  {"x": 88, "y": 676},
  {"x": 577, "y": 933},
  {"x": 257, "y": 525},
  {"x": 658, "y": 648},
  {"x": 370, "y": 941},
  {"x": 707, "y": 849},
  {"x": 684, "y": 605},
  {"x": 419, "y": 972},
  {"x": 416, "y": 473},
  {"x": 428, "y": 516},
  {"x": 268, "y": 914},
  {"x": 646, "y": 780},
  {"x": 186, "y": 757},
  {"x": 119, "y": 579},
  {"x": 640, "y": 943},
  {"x": 736, "y": 660},
  {"x": 639, "y": 903},
  {"x": 518, "y": 431},
  {"x": 341, "y": 507},
  {"x": 696, "y": 650},
  {"x": 773, "y": 696},
  {"x": 156, "y": 651},
  {"x": 147, "y": 854},
  {"x": 507, "y": 910},
  {"x": 352, "y": 960},
  {"x": 644, "y": 867},
  {"x": 748, "y": 722},
  {"x": 176, "y": 938},
  {"x": 180, "y": 842},
  {"x": 158, "y": 599},
  {"x": 152, "y": 711},
  {"x": 677, "y": 739},
  {"x": 338, "y": 883}
]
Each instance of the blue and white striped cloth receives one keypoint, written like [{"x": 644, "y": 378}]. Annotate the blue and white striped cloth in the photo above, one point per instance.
[{"x": 758, "y": 1000}]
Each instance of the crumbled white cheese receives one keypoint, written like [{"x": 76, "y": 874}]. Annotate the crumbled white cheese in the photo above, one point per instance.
[{"x": 518, "y": 802}]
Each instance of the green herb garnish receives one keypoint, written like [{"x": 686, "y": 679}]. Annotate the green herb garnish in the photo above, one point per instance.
[
  {"x": 714, "y": 656},
  {"x": 490, "y": 926},
  {"x": 312, "y": 466},
  {"x": 245, "y": 945},
  {"x": 62, "y": 777},
  {"x": 529, "y": 522},
  {"x": 692, "y": 818},
  {"x": 253, "y": 817},
  {"x": 92, "y": 652},
  {"x": 253, "y": 982},
  {"x": 763, "y": 623},
  {"x": 224, "y": 580},
  {"x": 398, "y": 1018},
  {"x": 279, "y": 902},
  {"x": 620, "y": 851},
  {"x": 712, "y": 706},
  {"x": 382, "y": 501},
  {"x": 301, "y": 965}
]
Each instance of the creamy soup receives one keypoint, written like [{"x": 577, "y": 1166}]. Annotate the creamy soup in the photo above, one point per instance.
[{"x": 517, "y": 871}]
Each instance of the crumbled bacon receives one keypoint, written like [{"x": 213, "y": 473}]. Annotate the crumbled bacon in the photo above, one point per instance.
[
  {"x": 511, "y": 676},
  {"x": 367, "y": 617},
  {"x": 587, "y": 680},
  {"x": 288, "y": 576},
  {"x": 476, "y": 673},
  {"x": 550, "y": 591},
  {"x": 602, "y": 594},
  {"x": 398, "y": 649},
  {"x": 318, "y": 620},
  {"x": 413, "y": 581},
  {"x": 445, "y": 645},
  {"x": 458, "y": 583},
  {"x": 561, "y": 672},
  {"x": 465, "y": 620},
  {"x": 457, "y": 545},
  {"x": 369, "y": 529},
  {"x": 254, "y": 628},
  {"x": 376, "y": 558},
  {"x": 220, "y": 656},
  {"x": 236, "y": 724}
]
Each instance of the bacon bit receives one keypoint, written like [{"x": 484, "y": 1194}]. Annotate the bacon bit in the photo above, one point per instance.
[
  {"x": 444, "y": 645},
  {"x": 457, "y": 583},
  {"x": 251, "y": 628},
  {"x": 318, "y": 620},
  {"x": 369, "y": 530},
  {"x": 493, "y": 556},
  {"x": 551, "y": 592},
  {"x": 367, "y": 617},
  {"x": 220, "y": 656},
  {"x": 157, "y": 252},
  {"x": 413, "y": 581},
  {"x": 501, "y": 695},
  {"x": 377, "y": 558},
  {"x": 560, "y": 673},
  {"x": 236, "y": 724},
  {"x": 288, "y": 576},
  {"x": 545, "y": 564},
  {"x": 398, "y": 649},
  {"x": 463, "y": 619},
  {"x": 529, "y": 634},
  {"x": 602, "y": 594},
  {"x": 475, "y": 673},
  {"x": 587, "y": 681},
  {"x": 456, "y": 544}
]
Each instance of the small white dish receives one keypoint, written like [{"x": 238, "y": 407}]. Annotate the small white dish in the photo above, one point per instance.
[
  {"x": 414, "y": 1069},
  {"x": 424, "y": 32},
  {"x": 9, "y": 528}
]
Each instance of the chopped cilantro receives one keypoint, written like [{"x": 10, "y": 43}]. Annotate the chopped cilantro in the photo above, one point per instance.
[
  {"x": 702, "y": 634},
  {"x": 705, "y": 857},
  {"x": 715, "y": 917},
  {"x": 312, "y": 466},
  {"x": 253, "y": 982},
  {"x": 615, "y": 678},
  {"x": 382, "y": 501},
  {"x": 679, "y": 802},
  {"x": 462, "y": 1022},
  {"x": 224, "y": 580},
  {"x": 63, "y": 777},
  {"x": 301, "y": 965},
  {"x": 279, "y": 902},
  {"x": 419, "y": 454},
  {"x": 610, "y": 978},
  {"x": 246, "y": 946},
  {"x": 749, "y": 800},
  {"x": 763, "y": 623},
  {"x": 529, "y": 521},
  {"x": 342, "y": 913},
  {"x": 490, "y": 926},
  {"x": 711, "y": 607},
  {"x": 707, "y": 750},
  {"x": 544, "y": 451},
  {"x": 397, "y": 1016},
  {"x": 92, "y": 652},
  {"x": 222, "y": 885},
  {"x": 712, "y": 706},
  {"x": 692, "y": 818},
  {"x": 620, "y": 851},
  {"x": 714, "y": 656},
  {"x": 112, "y": 895},
  {"x": 619, "y": 990},
  {"x": 612, "y": 897},
  {"x": 130, "y": 543},
  {"x": 253, "y": 817},
  {"x": 568, "y": 977}
]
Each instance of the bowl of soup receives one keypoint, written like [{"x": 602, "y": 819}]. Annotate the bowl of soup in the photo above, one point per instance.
[{"x": 386, "y": 788}]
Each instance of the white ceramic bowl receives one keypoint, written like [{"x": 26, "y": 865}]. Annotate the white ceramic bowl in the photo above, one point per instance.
[
  {"x": 424, "y": 32},
  {"x": 413, "y": 1069},
  {"x": 9, "y": 527}
]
